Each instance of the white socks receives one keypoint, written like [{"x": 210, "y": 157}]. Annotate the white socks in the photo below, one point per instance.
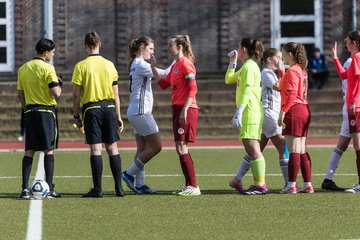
[
  {"x": 333, "y": 163},
  {"x": 244, "y": 167},
  {"x": 135, "y": 167},
  {"x": 284, "y": 169}
]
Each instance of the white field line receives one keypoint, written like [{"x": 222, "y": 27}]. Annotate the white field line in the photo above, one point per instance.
[
  {"x": 198, "y": 175},
  {"x": 34, "y": 227}
]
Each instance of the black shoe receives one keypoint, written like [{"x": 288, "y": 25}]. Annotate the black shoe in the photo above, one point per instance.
[
  {"x": 25, "y": 194},
  {"x": 120, "y": 192},
  {"x": 53, "y": 194},
  {"x": 330, "y": 185},
  {"x": 94, "y": 193}
]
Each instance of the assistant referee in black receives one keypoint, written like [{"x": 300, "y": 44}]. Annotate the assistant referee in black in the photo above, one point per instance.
[
  {"x": 39, "y": 89},
  {"x": 95, "y": 85}
]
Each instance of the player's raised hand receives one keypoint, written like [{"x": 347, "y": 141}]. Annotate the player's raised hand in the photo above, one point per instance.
[
  {"x": 233, "y": 55},
  {"x": 334, "y": 50},
  {"x": 152, "y": 60}
]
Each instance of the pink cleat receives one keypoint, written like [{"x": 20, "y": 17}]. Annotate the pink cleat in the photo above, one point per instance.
[{"x": 308, "y": 189}]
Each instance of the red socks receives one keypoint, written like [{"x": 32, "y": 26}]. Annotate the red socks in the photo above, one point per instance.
[
  {"x": 188, "y": 169},
  {"x": 293, "y": 166},
  {"x": 306, "y": 166}
]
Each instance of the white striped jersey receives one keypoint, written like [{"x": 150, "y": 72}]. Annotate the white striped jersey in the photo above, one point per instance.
[
  {"x": 141, "y": 96},
  {"x": 344, "y": 82},
  {"x": 269, "y": 97}
]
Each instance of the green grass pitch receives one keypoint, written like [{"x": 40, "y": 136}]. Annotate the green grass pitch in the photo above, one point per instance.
[{"x": 219, "y": 213}]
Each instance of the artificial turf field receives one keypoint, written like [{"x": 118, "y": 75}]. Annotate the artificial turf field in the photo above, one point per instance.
[{"x": 219, "y": 213}]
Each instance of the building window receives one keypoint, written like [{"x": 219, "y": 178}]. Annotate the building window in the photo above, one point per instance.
[
  {"x": 297, "y": 21},
  {"x": 7, "y": 53}
]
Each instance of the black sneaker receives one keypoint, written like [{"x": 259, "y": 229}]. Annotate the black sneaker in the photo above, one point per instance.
[
  {"x": 53, "y": 194},
  {"x": 330, "y": 185},
  {"x": 119, "y": 192},
  {"x": 25, "y": 194},
  {"x": 93, "y": 193}
]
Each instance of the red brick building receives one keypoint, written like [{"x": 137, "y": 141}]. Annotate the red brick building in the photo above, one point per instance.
[{"x": 215, "y": 26}]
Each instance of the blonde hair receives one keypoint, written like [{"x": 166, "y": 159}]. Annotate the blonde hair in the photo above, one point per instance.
[{"x": 184, "y": 41}]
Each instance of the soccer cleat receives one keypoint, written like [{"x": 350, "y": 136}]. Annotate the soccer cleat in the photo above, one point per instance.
[
  {"x": 189, "y": 191},
  {"x": 256, "y": 190},
  {"x": 25, "y": 194},
  {"x": 236, "y": 184},
  {"x": 93, "y": 193},
  {"x": 288, "y": 190},
  {"x": 308, "y": 189},
  {"x": 53, "y": 194},
  {"x": 330, "y": 185},
  {"x": 119, "y": 191},
  {"x": 355, "y": 189},
  {"x": 129, "y": 180},
  {"x": 146, "y": 190}
]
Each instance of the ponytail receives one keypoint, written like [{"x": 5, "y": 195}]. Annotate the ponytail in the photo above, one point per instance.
[
  {"x": 299, "y": 53},
  {"x": 184, "y": 40},
  {"x": 254, "y": 47},
  {"x": 134, "y": 48}
]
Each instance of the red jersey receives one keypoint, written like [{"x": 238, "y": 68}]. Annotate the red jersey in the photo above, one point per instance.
[
  {"x": 182, "y": 80},
  {"x": 352, "y": 74},
  {"x": 293, "y": 87}
]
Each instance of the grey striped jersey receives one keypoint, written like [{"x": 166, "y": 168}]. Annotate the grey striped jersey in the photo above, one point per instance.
[
  {"x": 141, "y": 96},
  {"x": 269, "y": 97}
]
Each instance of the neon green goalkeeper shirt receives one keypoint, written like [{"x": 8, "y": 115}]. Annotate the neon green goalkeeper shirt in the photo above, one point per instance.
[{"x": 248, "y": 91}]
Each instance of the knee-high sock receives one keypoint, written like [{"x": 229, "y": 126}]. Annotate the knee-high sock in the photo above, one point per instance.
[
  {"x": 49, "y": 170},
  {"x": 26, "y": 170},
  {"x": 135, "y": 167},
  {"x": 115, "y": 165},
  {"x": 358, "y": 163},
  {"x": 284, "y": 169},
  {"x": 294, "y": 166},
  {"x": 333, "y": 163},
  {"x": 305, "y": 163},
  {"x": 244, "y": 167},
  {"x": 188, "y": 169},
  {"x": 96, "y": 169},
  {"x": 258, "y": 170},
  {"x": 140, "y": 178}
]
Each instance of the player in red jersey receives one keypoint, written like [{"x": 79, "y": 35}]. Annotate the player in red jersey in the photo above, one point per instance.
[
  {"x": 295, "y": 115},
  {"x": 352, "y": 74},
  {"x": 181, "y": 79}
]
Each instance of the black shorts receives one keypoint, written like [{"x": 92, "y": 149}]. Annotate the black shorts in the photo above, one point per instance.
[
  {"x": 100, "y": 122},
  {"x": 41, "y": 128}
]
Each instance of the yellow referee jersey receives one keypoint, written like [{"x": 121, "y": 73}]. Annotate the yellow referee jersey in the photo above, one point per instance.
[
  {"x": 34, "y": 78},
  {"x": 96, "y": 75}
]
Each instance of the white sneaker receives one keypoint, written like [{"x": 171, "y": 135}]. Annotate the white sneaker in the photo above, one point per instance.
[
  {"x": 354, "y": 189},
  {"x": 189, "y": 191}
]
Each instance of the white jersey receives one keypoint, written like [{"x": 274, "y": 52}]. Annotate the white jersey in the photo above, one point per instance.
[
  {"x": 344, "y": 86},
  {"x": 269, "y": 97},
  {"x": 141, "y": 96}
]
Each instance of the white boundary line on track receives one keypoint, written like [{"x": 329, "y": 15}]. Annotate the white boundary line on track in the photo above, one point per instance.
[
  {"x": 34, "y": 226},
  {"x": 198, "y": 175}
]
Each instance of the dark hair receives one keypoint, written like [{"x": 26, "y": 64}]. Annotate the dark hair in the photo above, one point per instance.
[
  {"x": 268, "y": 53},
  {"x": 184, "y": 40},
  {"x": 298, "y": 51},
  {"x": 254, "y": 47},
  {"x": 355, "y": 36},
  {"x": 44, "y": 45},
  {"x": 92, "y": 39},
  {"x": 134, "y": 47}
]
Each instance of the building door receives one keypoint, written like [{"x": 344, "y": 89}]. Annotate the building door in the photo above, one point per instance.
[
  {"x": 7, "y": 55},
  {"x": 297, "y": 21}
]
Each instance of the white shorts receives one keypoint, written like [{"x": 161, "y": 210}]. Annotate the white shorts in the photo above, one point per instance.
[
  {"x": 344, "y": 131},
  {"x": 270, "y": 125},
  {"x": 144, "y": 125}
]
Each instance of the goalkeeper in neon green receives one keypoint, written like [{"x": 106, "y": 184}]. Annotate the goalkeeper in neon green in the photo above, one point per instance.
[{"x": 249, "y": 112}]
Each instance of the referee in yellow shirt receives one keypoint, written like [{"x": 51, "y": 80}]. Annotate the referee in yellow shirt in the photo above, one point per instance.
[
  {"x": 95, "y": 85},
  {"x": 38, "y": 90}
]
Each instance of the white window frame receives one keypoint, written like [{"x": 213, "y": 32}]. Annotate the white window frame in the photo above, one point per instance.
[
  {"x": 276, "y": 19},
  {"x": 9, "y": 66}
]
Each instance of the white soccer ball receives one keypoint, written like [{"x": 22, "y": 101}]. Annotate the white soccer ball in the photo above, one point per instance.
[{"x": 39, "y": 189}]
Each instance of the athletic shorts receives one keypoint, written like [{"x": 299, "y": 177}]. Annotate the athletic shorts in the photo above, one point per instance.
[
  {"x": 251, "y": 124},
  {"x": 297, "y": 120},
  {"x": 100, "y": 122},
  {"x": 41, "y": 128},
  {"x": 270, "y": 125},
  {"x": 143, "y": 124},
  {"x": 344, "y": 131},
  {"x": 186, "y": 132},
  {"x": 354, "y": 123}
]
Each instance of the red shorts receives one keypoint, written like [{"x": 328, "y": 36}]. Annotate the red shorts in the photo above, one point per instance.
[
  {"x": 297, "y": 120},
  {"x": 186, "y": 132},
  {"x": 354, "y": 122}
]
